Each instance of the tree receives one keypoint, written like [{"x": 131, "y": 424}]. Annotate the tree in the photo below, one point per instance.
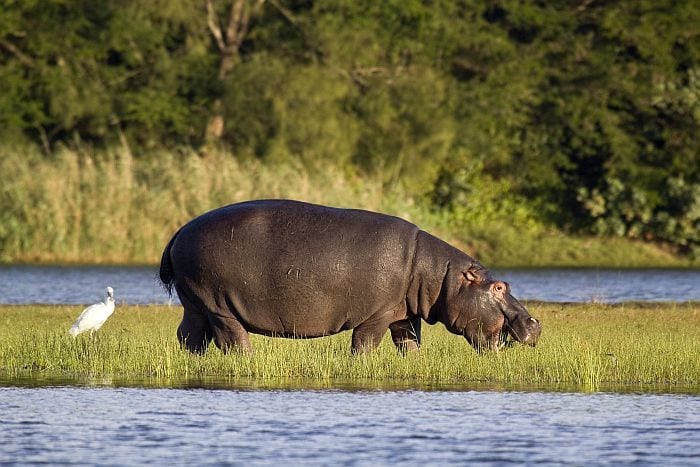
[
  {"x": 228, "y": 37},
  {"x": 97, "y": 72}
]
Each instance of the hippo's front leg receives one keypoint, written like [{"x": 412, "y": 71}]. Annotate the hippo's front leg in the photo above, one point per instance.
[{"x": 406, "y": 334}]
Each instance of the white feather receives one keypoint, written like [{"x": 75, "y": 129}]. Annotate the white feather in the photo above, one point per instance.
[{"x": 93, "y": 317}]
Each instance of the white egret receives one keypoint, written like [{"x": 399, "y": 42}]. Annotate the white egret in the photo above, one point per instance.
[{"x": 93, "y": 317}]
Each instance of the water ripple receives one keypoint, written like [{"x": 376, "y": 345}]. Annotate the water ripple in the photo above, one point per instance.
[{"x": 141, "y": 426}]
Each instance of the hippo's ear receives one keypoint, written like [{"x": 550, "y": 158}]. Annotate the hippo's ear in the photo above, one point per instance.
[{"x": 476, "y": 274}]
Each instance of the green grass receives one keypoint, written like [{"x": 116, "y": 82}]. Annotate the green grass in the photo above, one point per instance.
[
  {"x": 588, "y": 346},
  {"x": 109, "y": 207}
]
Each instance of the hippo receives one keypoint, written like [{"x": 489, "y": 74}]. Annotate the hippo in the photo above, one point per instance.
[{"x": 293, "y": 269}]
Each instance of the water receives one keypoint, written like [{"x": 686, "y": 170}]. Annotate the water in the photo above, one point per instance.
[
  {"x": 604, "y": 285},
  {"x": 139, "y": 285},
  {"x": 80, "y": 284},
  {"x": 136, "y": 426}
]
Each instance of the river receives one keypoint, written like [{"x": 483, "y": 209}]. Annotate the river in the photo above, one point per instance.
[
  {"x": 140, "y": 285},
  {"x": 237, "y": 426}
]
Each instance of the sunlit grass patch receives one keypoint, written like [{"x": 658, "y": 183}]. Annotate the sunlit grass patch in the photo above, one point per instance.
[{"x": 586, "y": 345}]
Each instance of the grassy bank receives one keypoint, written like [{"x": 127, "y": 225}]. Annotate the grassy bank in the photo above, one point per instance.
[
  {"x": 586, "y": 345},
  {"x": 110, "y": 207}
]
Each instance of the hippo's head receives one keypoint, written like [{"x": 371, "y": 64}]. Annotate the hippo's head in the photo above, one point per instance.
[{"x": 484, "y": 312}]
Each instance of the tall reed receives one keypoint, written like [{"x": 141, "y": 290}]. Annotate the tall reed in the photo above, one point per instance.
[
  {"x": 82, "y": 206},
  {"x": 109, "y": 207}
]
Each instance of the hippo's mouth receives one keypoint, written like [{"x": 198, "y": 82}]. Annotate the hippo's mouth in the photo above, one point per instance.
[{"x": 529, "y": 333}]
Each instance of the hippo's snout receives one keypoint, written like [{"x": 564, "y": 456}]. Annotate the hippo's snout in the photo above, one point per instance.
[
  {"x": 525, "y": 329},
  {"x": 533, "y": 328}
]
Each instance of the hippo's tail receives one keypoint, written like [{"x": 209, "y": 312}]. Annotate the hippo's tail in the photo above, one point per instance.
[{"x": 167, "y": 273}]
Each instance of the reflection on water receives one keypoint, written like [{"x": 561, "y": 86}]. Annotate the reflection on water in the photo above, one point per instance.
[
  {"x": 140, "y": 285},
  {"x": 98, "y": 425},
  {"x": 39, "y": 380}
]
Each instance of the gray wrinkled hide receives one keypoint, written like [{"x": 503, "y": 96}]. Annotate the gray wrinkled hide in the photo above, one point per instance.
[{"x": 293, "y": 269}]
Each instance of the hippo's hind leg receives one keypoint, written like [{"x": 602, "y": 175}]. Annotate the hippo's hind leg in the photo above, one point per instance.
[
  {"x": 367, "y": 335},
  {"x": 194, "y": 332},
  {"x": 229, "y": 333},
  {"x": 406, "y": 334}
]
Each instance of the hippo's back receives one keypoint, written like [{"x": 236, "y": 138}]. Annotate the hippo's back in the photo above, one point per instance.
[{"x": 292, "y": 268}]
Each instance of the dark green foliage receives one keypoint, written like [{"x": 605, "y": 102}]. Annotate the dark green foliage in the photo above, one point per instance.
[
  {"x": 612, "y": 140},
  {"x": 86, "y": 69},
  {"x": 579, "y": 114}
]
